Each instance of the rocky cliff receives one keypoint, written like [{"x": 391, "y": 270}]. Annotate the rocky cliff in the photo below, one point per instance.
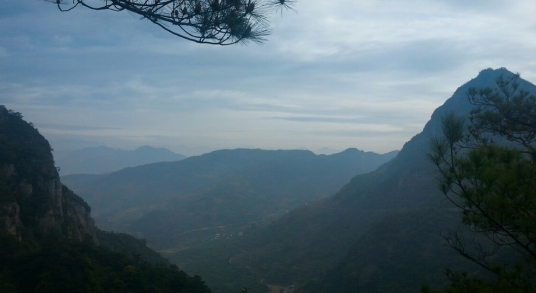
[{"x": 33, "y": 202}]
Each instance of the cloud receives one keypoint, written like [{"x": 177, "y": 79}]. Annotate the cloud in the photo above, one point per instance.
[
  {"x": 359, "y": 123},
  {"x": 74, "y": 127},
  {"x": 326, "y": 76}
]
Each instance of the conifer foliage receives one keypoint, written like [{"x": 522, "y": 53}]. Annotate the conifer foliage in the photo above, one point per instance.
[
  {"x": 487, "y": 168},
  {"x": 217, "y": 22}
]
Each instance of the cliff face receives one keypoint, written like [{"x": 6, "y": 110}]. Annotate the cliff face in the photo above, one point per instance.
[{"x": 33, "y": 202}]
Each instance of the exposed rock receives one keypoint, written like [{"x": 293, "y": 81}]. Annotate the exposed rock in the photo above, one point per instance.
[
  {"x": 32, "y": 197},
  {"x": 10, "y": 219},
  {"x": 26, "y": 189},
  {"x": 79, "y": 223},
  {"x": 8, "y": 170}
]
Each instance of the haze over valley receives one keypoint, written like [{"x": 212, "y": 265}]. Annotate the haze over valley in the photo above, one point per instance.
[
  {"x": 176, "y": 204},
  {"x": 267, "y": 146},
  {"x": 287, "y": 219},
  {"x": 290, "y": 217},
  {"x": 337, "y": 74},
  {"x": 99, "y": 160}
]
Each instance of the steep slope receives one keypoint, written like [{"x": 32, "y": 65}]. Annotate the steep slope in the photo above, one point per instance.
[
  {"x": 47, "y": 238},
  {"x": 397, "y": 253},
  {"x": 418, "y": 255},
  {"x": 33, "y": 202},
  {"x": 177, "y": 204},
  {"x": 98, "y": 160},
  {"x": 303, "y": 245}
]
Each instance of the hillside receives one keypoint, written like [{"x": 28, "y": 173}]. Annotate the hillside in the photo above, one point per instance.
[
  {"x": 33, "y": 202},
  {"x": 99, "y": 160},
  {"x": 178, "y": 204},
  {"x": 48, "y": 240},
  {"x": 419, "y": 255},
  {"x": 342, "y": 235}
]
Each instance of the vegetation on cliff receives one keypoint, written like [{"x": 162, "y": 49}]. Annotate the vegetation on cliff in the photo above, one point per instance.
[
  {"x": 48, "y": 242},
  {"x": 56, "y": 265},
  {"x": 487, "y": 168}
]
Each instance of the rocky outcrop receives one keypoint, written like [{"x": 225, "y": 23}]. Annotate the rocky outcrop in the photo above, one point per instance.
[
  {"x": 10, "y": 219},
  {"x": 78, "y": 223},
  {"x": 33, "y": 202}
]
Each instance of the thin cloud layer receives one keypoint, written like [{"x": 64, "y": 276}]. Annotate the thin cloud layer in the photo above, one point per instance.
[{"x": 338, "y": 74}]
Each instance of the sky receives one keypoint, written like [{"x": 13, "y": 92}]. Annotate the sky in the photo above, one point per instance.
[{"x": 338, "y": 74}]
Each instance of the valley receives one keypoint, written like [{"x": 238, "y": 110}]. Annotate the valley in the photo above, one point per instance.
[
  {"x": 267, "y": 146},
  {"x": 328, "y": 240},
  {"x": 282, "y": 220}
]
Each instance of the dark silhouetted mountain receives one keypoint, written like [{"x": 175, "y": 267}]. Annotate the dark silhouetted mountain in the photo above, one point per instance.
[
  {"x": 418, "y": 255},
  {"x": 99, "y": 160},
  {"x": 33, "y": 202},
  {"x": 48, "y": 242},
  {"x": 176, "y": 204},
  {"x": 379, "y": 233}
]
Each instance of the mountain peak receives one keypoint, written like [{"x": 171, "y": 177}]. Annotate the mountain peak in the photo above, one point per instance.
[
  {"x": 145, "y": 147},
  {"x": 490, "y": 72},
  {"x": 352, "y": 150},
  {"x": 459, "y": 104}
]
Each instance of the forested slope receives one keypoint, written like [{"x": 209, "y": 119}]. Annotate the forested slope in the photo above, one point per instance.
[{"x": 47, "y": 237}]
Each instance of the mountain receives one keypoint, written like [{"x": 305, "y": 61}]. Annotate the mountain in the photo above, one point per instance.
[
  {"x": 99, "y": 160},
  {"x": 33, "y": 200},
  {"x": 419, "y": 254},
  {"x": 379, "y": 233},
  {"x": 48, "y": 240},
  {"x": 177, "y": 204}
]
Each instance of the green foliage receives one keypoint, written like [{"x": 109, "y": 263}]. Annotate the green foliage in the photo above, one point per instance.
[
  {"x": 130, "y": 246},
  {"x": 60, "y": 266},
  {"x": 71, "y": 196},
  {"x": 45, "y": 260},
  {"x": 223, "y": 277},
  {"x": 507, "y": 111},
  {"x": 488, "y": 170},
  {"x": 22, "y": 145},
  {"x": 25, "y": 158},
  {"x": 396, "y": 254},
  {"x": 464, "y": 283}
]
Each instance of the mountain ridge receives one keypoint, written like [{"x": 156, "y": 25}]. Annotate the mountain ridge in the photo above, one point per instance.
[
  {"x": 102, "y": 159},
  {"x": 304, "y": 245},
  {"x": 226, "y": 187}
]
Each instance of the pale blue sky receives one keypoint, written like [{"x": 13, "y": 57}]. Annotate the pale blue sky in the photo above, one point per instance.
[{"x": 364, "y": 74}]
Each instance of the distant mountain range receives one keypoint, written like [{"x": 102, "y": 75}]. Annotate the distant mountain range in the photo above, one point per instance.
[
  {"x": 379, "y": 233},
  {"x": 101, "y": 159},
  {"x": 178, "y": 204},
  {"x": 349, "y": 222}
]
